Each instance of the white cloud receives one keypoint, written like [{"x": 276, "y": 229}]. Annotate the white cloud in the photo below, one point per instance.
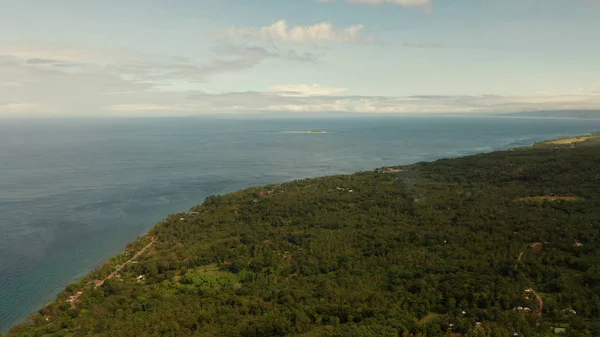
[
  {"x": 54, "y": 59},
  {"x": 17, "y": 108},
  {"x": 147, "y": 107},
  {"x": 51, "y": 52},
  {"x": 306, "y": 90},
  {"x": 79, "y": 80},
  {"x": 318, "y": 33}
]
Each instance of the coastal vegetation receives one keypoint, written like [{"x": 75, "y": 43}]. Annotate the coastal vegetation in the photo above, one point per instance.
[
  {"x": 499, "y": 244},
  {"x": 569, "y": 140}
]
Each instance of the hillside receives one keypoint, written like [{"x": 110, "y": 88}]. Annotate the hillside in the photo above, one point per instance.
[{"x": 498, "y": 244}]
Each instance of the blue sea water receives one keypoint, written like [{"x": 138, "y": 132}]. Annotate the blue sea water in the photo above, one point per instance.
[{"x": 75, "y": 192}]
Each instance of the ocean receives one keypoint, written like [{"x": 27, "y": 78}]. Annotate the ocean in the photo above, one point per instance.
[{"x": 73, "y": 192}]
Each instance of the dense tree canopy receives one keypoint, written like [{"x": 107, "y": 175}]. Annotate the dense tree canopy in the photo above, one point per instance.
[{"x": 498, "y": 244}]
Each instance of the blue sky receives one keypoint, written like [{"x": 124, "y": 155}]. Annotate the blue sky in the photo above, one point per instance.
[{"x": 184, "y": 57}]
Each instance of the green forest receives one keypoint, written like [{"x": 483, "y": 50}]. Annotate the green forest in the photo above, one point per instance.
[{"x": 497, "y": 244}]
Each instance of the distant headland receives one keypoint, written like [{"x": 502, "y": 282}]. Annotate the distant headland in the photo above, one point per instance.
[{"x": 305, "y": 131}]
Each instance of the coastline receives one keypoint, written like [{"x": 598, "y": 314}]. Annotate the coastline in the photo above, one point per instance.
[
  {"x": 504, "y": 116},
  {"x": 152, "y": 227}
]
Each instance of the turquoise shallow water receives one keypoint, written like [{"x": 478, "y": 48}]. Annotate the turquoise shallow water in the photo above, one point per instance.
[{"x": 74, "y": 192}]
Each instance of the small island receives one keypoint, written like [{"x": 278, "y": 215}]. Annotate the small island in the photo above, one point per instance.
[
  {"x": 498, "y": 244},
  {"x": 316, "y": 131}
]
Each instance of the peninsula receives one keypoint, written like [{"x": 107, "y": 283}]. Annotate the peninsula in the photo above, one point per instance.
[{"x": 498, "y": 244}]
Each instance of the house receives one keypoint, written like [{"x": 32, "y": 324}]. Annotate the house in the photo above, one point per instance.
[
  {"x": 526, "y": 309},
  {"x": 560, "y": 331},
  {"x": 139, "y": 278},
  {"x": 194, "y": 213},
  {"x": 578, "y": 244}
]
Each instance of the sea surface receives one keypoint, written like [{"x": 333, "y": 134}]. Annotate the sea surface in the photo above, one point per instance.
[{"x": 75, "y": 192}]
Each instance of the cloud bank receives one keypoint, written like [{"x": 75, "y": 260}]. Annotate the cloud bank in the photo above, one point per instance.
[
  {"x": 48, "y": 80},
  {"x": 280, "y": 31},
  {"x": 254, "y": 102},
  {"x": 306, "y": 90}
]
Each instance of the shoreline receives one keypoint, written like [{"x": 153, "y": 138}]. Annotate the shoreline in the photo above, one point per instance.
[{"x": 87, "y": 274}]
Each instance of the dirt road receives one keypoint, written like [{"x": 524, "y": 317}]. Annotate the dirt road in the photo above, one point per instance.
[
  {"x": 98, "y": 283},
  {"x": 121, "y": 266},
  {"x": 540, "y": 302}
]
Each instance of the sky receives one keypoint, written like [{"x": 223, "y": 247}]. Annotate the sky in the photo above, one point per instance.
[{"x": 296, "y": 57}]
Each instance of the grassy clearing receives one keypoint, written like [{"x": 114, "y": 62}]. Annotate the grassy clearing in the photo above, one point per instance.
[
  {"x": 542, "y": 198},
  {"x": 211, "y": 269},
  {"x": 570, "y": 140},
  {"x": 390, "y": 170},
  {"x": 428, "y": 318}
]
